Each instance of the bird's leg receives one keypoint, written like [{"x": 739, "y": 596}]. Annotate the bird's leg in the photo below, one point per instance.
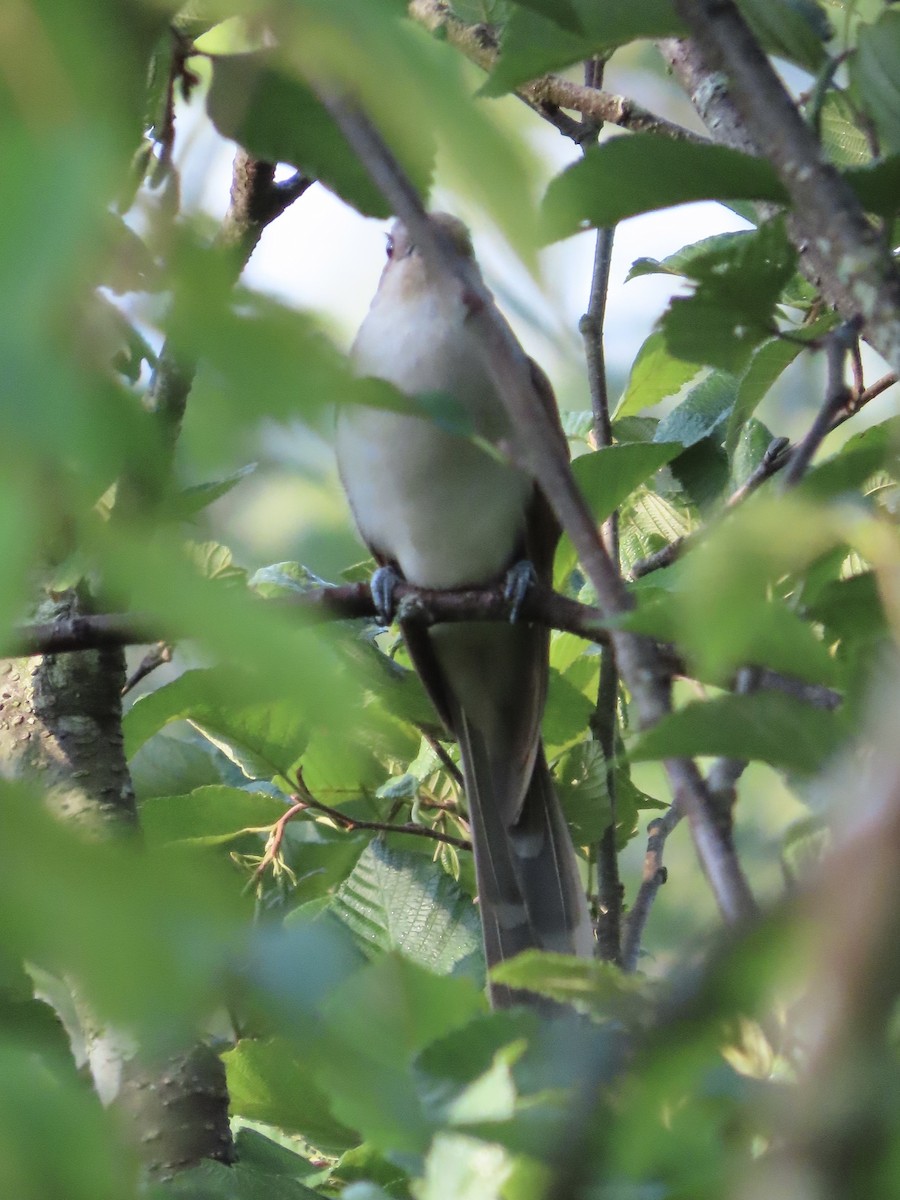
[
  {"x": 519, "y": 578},
  {"x": 383, "y": 586}
]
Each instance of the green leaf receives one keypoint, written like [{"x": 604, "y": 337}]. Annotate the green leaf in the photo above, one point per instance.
[
  {"x": 877, "y": 185},
  {"x": 562, "y": 12},
  {"x": 859, "y": 458},
  {"x": 842, "y": 137},
  {"x": 791, "y": 29},
  {"x": 875, "y": 75},
  {"x": 702, "y": 473},
  {"x": 464, "y": 1168},
  {"x": 767, "y": 726},
  {"x": 208, "y": 816},
  {"x": 719, "y": 248},
  {"x": 656, "y": 374},
  {"x": 755, "y": 439},
  {"x": 643, "y": 171},
  {"x": 537, "y": 42},
  {"x": 648, "y": 523},
  {"x": 284, "y": 579},
  {"x": 256, "y": 1150},
  {"x": 851, "y": 608},
  {"x": 268, "y": 1081},
  {"x": 216, "y": 1181},
  {"x": 583, "y": 792},
  {"x": 805, "y": 845},
  {"x": 264, "y": 736},
  {"x": 173, "y": 765},
  {"x": 398, "y": 900},
  {"x": 37, "y": 1107},
  {"x": 256, "y": 102},
  {"x": 607, "y": 477},
  {"x": 733, "y": 306},
  {"x": 765, "y": 366},
  {"x": 702, "y": 413},
  {"x": 597, "y": 988},
  {"x": 567, "y": 712},
  {"x": 194, "y": 499},
  {"x": 367, "y": 1169},
  {"x": 376, "y": 1023}
]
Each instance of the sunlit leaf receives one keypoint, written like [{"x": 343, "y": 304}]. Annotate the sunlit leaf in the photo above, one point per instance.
[
  {"x": 207, "y": 816},
  {"x": 655, "y": 375},
  {"x": 395, "y": 899},
  {"x": 594, "y": 987},
  {"x": 267, "y": 1081},
  {"x": 266, "y": 736}
]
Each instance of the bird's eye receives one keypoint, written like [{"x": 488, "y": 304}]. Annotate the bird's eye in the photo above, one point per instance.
[{"x": 390, "y": 246}]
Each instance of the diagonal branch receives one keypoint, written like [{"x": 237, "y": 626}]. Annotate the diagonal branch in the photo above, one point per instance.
[{"x": 847, "y": 253}]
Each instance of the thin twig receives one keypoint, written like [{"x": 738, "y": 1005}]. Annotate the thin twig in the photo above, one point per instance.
[
  {"x": 155, "y": 657},
  {"x": 654, "y": 875},
  {"x": 447, "y": 762},
  {"x": 839, "y": 344},
  {"x": 604, "y": 720},
  {"x": 726, "y": 771},
  {"x": 273, "y": 843},
  {"x": 350, "y": 824}
]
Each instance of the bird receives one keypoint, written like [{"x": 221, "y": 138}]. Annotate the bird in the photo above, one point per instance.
[{"x": 440, "y": 512}]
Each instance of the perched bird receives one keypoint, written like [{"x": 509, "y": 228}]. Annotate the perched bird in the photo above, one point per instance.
[{"x": 441, "y": 512}]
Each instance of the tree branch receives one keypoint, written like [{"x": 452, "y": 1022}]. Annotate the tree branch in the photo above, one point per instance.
[
  {"x": 654, "y": 875},
  {"x": 353, "y": 601},
  {"x": 549, "y": 93},
  {"x": 848, "y": 255}
]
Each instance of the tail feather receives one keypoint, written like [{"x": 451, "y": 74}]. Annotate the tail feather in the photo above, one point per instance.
[{"x": 530, "y": 893}]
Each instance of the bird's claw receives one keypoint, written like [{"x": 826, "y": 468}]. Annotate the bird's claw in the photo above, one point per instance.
[
  {"x": 520, "y": 578},
  {"x": 383, "y": 587}
]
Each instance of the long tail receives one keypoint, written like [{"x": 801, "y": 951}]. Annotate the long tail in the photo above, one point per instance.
[{"x": 529, "y": 889}]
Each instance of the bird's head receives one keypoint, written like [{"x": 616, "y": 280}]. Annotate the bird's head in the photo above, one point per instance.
[{"x": 406, "y": 271}]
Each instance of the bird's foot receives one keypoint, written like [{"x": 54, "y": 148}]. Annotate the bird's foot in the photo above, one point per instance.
[
  {"x": 520, "y": 578},
  {"x": 383, "y": 587}
]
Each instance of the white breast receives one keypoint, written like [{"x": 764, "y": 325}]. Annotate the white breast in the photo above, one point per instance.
[{"x": 447, "y": 512}]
